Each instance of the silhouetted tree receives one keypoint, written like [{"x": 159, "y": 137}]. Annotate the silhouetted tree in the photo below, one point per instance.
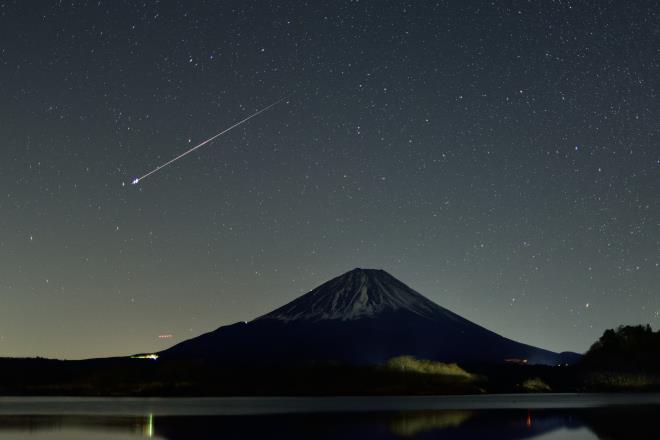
[{"x": 628, "y": 348}]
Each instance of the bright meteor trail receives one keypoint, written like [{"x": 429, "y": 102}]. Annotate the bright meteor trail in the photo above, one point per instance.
[{"x": 185, "y": 153}]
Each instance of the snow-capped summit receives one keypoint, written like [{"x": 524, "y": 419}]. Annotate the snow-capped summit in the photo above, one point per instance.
[{"x": 359, "y": 293}]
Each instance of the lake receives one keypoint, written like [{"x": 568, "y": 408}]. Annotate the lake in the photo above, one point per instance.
[{"x": 529, "y": 416}]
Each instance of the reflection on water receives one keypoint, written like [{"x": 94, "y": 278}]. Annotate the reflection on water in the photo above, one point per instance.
[
  {"x": 590, "y": 423},
  {"x": 409, "y": 424},
  {"x": 75, "y": 427}
]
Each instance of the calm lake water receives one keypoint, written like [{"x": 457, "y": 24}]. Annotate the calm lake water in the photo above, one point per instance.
[{"x": 547, "y": 417}]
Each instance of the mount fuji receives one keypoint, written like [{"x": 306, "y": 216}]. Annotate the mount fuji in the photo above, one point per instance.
[{"x": 364, "y": 316}]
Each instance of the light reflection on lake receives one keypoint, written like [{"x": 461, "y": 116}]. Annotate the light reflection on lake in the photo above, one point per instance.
[
  {"x": 40, "y": 427},
  {"x": 583, "y": 423}
]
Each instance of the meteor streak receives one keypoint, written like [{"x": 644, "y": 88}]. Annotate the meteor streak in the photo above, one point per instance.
[{"x": 185, "y": 153}]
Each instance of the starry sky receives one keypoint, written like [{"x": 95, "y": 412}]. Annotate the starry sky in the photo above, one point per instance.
[{"x": 502, "y": 158}]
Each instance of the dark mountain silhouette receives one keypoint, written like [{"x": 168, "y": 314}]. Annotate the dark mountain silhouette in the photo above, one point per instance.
[{"x": 364, "y": 316}]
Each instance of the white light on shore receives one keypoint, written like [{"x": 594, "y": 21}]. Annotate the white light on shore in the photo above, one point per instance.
[{"x": 145, "y": 356}]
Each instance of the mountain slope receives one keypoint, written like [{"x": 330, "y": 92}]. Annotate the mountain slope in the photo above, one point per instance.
[
  {"x": 360, "y": 293},
  {"x": 364, "y": 316}
]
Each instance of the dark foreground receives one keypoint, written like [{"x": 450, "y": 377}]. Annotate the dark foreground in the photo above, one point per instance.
[
  {"x": 623, "y": 360},
  {"x": 558, "y": 417},
  {"x": 402, "y": 376}
]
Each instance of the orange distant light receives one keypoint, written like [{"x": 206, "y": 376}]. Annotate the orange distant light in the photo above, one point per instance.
[{"x": 167, "y": 336}]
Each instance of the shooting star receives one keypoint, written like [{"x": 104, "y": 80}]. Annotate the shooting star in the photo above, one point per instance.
[{"x": 185, "y": 153}]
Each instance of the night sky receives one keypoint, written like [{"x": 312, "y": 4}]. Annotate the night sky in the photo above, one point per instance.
[{"x": 502, "y": 158}]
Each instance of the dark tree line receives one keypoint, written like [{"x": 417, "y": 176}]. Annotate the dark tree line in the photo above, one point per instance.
[{"x": 627, "y": 348}]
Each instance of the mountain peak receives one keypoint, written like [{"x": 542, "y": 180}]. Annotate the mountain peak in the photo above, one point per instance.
[
  {"x": 359, "y": 293},
  {"x": 364, "y": 316}
]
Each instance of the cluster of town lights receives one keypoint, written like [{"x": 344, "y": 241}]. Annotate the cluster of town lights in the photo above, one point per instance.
[{"x": 145, "y": 356}]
